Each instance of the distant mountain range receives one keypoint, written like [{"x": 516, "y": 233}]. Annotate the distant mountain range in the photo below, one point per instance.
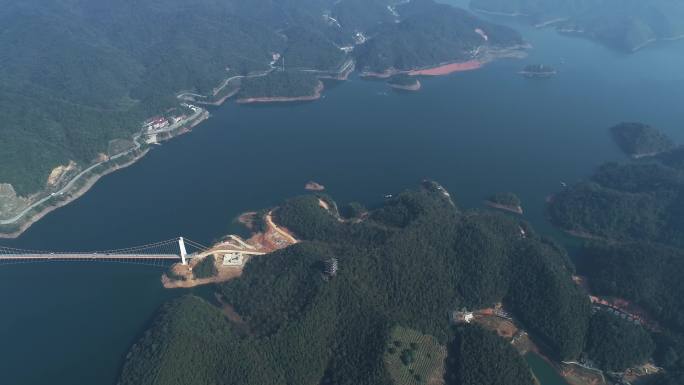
[
  {"x": 622, "y": 24},
  {"x": 79, "y": 74}
]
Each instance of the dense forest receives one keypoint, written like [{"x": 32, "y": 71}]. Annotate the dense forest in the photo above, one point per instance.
[
  {"x": 507, "y": 199},
  {"x": 430, "y": 34},
  {"x": 638, "y": 139},
  {"x": 206, "y": 268},
  {"x": 616, "y": 344},
  {"x": 79, "y": 74},
  {"x": 648, "y": 274},
  {"x": 622, "y": 24},
  {"x": 632, "y": 201},
  {"x": 633, "y": 214},
  {"x": 409, "y": 263},
  {"x": 280, "y": 84},
  {"x": 480, "y": 357}
]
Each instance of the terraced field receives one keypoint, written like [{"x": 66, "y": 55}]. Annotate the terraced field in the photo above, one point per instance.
[{"x": 413, "y": 358}]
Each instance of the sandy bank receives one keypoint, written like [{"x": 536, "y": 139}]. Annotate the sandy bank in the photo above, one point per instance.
[
  {"x": 447, "y": 69},
  {"x": 437, "y": 70},
  {"x": 482, "y": 56}
]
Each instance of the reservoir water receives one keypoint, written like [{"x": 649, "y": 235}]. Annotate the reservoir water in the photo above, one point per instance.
[
  {"x": 543, "y": 371},
  {"x": 477, "y": 133}
]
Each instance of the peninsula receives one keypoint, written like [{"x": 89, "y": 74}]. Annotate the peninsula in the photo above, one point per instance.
[
  {"x": 364, "y": 300},
  {"x": 505, "y": 201},
  {"x": 640, "y": 140}
]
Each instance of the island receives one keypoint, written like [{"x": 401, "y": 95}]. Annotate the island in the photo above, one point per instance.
[
  {"x": 314, "y": 186},
  {"x": 505, "y": 201},
  {"x": 640, "y": 140},
  {"x": 538, "y": 71},
  {"x": 363, "y": 301},
  {"x": 404, "y": 82}
]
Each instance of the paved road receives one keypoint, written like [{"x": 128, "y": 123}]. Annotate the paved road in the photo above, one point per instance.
[{"x": 75, "y": 179}]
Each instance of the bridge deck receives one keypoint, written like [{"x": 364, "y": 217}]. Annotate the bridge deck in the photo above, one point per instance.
[{"x": 84, "y": 256}]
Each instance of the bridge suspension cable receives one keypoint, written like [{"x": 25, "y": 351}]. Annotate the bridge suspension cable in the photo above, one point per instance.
[{"x": 160, "y": 253}]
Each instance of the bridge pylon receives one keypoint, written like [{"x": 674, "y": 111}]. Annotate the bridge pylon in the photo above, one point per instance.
[{"x": 183, "y": 252}]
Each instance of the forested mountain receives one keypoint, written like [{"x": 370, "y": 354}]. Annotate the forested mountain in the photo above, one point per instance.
[
  {"x": 410, "y": 263},
  {"x": 633, "y": 213},
  {"x": 648, "y": 274},
  {"x": 480, "y": 357},
  {"x": 639, "y": 140},
  {"x": 430, "y": 34},
  {"x": 616, "y": 344},
  {"x": 641, "y": 200},
  {"x": 622, "y": 24},
  {"x": 78, "y": 73}
]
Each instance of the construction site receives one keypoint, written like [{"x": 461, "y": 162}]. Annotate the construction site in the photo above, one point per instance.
[{"x": 227, "y": 258}]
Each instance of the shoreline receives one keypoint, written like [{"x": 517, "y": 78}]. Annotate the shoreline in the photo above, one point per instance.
[
  {"x": 480, "y": 59},
  {"x": 16, "y": 227},
  {"x": 412, "y": 87},
  {"x": 512, "y": 209},
  {"x": 643, "y": 155},
  {"x": 260, "y": 243},
  {"x": 318, "y": 92},
  {"x": 89, "y": 181},
  {"x": 446, "y": 69},
  {"x": 437, "y": 70}
]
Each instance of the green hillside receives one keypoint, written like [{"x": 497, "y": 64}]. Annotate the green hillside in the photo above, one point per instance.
[
  {"x": 410, "y": 264},
  {"x": 633, "y": 213},
  {"x": 430, "y": 34},
  {"x": 78, "y": 74}
]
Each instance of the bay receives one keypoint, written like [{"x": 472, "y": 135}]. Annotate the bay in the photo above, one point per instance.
[{"x": 476, "y": 133}]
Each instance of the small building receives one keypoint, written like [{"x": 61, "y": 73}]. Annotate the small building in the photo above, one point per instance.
[
  {"x": 233, "y": 259},
  {"x": 331, "y": 267},
  {"x": 460, "y": 317}
]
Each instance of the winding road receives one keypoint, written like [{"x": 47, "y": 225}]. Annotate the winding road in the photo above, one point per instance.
[{"x": 76, "y": 178}]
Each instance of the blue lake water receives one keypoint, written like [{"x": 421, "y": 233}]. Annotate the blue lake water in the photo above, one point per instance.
[{"x": 476, "y": 132}]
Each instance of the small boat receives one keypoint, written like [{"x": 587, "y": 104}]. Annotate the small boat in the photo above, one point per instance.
[
  {"x": 563, "y": 184},
  {"x": 388, "y": 196}
]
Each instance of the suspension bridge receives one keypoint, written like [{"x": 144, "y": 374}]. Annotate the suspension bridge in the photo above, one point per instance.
[{"x": 157, "y": 254}]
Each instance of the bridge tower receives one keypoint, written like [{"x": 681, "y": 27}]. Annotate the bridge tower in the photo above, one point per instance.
[{"x": 183, "y": 252}]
